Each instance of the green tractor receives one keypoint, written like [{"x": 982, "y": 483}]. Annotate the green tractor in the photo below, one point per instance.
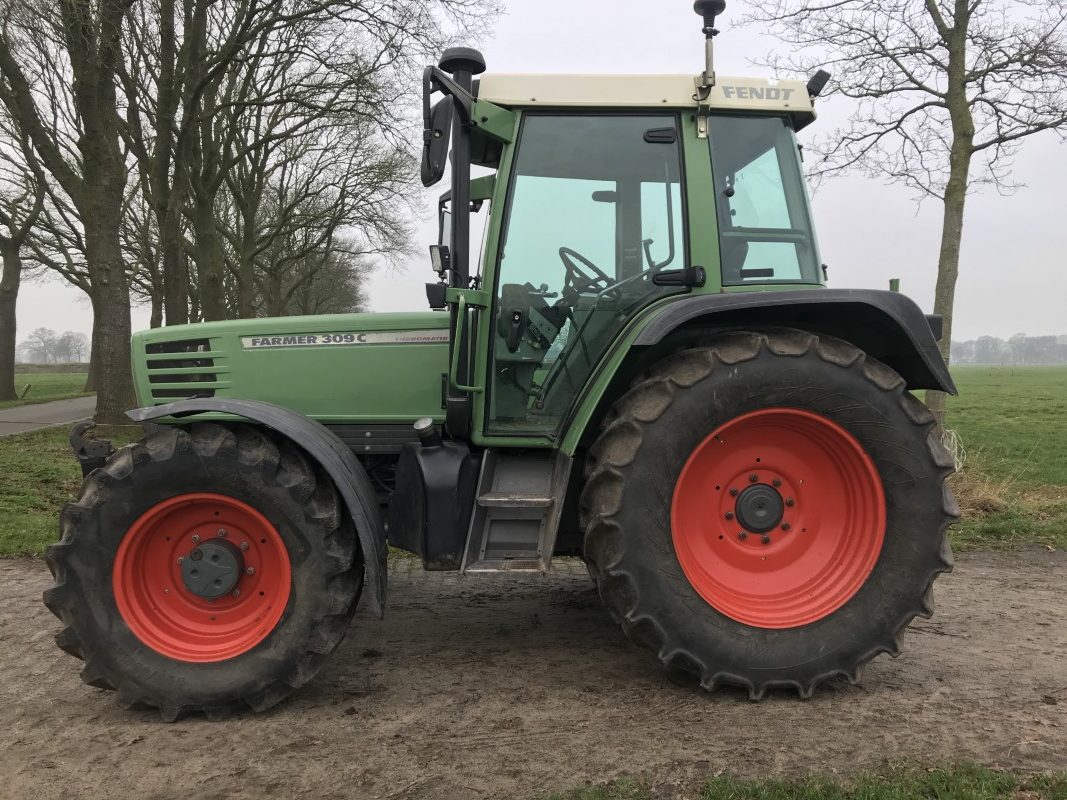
[{"x": 643, "y": 368}]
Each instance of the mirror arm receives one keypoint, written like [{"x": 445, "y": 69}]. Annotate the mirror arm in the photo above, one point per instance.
[{"x": 436, "y": 80}]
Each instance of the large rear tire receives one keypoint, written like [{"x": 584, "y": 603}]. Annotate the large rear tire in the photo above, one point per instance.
[
  {"x": 768, "y": 511},
  {"x": 130, "y": 569}
]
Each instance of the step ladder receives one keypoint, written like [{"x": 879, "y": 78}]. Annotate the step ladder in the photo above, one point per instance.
[{"x": 516, "y": 512}]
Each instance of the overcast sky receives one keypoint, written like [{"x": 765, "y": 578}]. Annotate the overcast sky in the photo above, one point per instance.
[{"x": 1013, "y": 271}]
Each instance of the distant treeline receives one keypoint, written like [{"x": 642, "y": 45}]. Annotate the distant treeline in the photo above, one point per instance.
[{"x": 1019, "y": 349}]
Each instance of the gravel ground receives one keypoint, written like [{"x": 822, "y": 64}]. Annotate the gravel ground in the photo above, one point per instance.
[{"x": 514, "y": 686}]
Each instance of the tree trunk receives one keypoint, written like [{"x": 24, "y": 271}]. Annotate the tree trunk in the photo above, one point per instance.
[
  {"x": 90, "y": 379},
  {"x": 175, "y": 269},
  {"x": 9, "y": 293},
  {"x": 209, "y": 260},
  {"x": 246, "y": 286},
  {"x": 155, "y": 320},
  {"x": 111, "y": 313},
  {"x": 960, "y": 153},
  {"x": 948, "y": 263}
]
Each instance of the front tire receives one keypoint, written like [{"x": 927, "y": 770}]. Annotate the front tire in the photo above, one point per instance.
[
  {"x": 768, "y": 511},
  {"x": 132, "y": 596}
]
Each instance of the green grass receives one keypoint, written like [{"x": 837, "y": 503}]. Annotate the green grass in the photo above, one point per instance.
[
  {"x": 964, "y": 782},
  {"x": 1012, "y": 422},
  {"x": 45, "y": 386},
  {"x": 40, "y": 475}
]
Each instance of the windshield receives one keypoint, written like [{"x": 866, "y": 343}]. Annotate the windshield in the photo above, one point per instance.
[
  {"x": 765, "y": 232},
  {"x": 595, "y": 210}
]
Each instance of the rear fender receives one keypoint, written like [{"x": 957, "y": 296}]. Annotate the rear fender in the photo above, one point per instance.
[
  {"x": 331, "y": 454},
  {"x": 887, "y": 325}
]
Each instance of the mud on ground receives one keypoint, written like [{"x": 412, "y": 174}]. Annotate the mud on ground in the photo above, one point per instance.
[{"x": 506, "y": 686}]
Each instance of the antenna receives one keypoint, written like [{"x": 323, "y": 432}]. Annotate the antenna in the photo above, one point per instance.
[{"x": 708, "y": 9}]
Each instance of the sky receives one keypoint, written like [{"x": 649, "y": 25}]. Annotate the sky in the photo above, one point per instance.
[{"x": 1013, "y": 265}]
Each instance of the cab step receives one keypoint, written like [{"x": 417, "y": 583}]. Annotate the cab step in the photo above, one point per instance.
[{"x": 516, "y": 513}]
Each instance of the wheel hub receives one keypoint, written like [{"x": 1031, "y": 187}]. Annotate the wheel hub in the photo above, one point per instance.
[
  {"x": 202, "y": 577},
  {"x": 760, "y": 508},
  {"x": 778, "y": 517},
  {"x": 212, "y": 569}
]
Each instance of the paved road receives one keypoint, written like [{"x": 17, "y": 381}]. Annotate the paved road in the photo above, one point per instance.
[{"x": 23, "y": 419}]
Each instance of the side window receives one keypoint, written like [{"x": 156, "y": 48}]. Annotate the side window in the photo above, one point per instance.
[
  {"x": 595, "y": 211},
  {"x": 765, "y": 233},
  {"x": 548, "y": 211},
  {"x": 759, "y": 197}
]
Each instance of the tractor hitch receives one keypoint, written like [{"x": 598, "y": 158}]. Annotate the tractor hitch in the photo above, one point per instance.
[{"x": 91, "y": 453}]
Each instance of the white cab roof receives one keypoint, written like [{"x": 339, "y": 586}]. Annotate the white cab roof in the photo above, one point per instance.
[{"x": 643, "y": 91}]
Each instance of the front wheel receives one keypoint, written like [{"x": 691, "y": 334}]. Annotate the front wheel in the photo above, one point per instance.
[
  {"x": 768, "y": 511},
  {"x": 208, "y": 568}
]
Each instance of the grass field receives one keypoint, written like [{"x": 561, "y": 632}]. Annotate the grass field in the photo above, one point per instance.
[
  {"x": 1012, "y": 422},
  {"x": 964, "y": 782},
  {"x": 1013, "y": 488},
  {"x": 45, "y": 386},
  {"x": 40, "y": 475}
]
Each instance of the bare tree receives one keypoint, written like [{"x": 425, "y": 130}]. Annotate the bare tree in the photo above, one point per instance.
[
  {"x": 197, "y": 71},
  {"x": 22, "y": 193},
  {"x": 331, "y": 196},
  {"x": 72, "y": 347},
  {"x": 84, "y": 38},
  {"x": 40, "y": 346},
  {"x": 943, "y": 92}
]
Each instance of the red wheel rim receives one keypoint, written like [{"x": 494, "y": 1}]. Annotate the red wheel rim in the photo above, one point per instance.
[
  {"x": 821, "y": 549},
  {"x": 164, "y": 614}
]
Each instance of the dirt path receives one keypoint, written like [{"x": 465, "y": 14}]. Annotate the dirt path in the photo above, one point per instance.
[{"x": 492, "y": 686}]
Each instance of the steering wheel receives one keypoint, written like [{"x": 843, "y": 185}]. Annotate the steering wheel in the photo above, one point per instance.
[{"x": 592, "y": 274}]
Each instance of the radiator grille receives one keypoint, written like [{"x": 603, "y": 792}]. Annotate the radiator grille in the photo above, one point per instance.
[{"x": 181, "y": 369}]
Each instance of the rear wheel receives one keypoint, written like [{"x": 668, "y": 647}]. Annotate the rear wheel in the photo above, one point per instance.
[
  {"x": 768, "y": 511},
  {"x": 207, "y": 568}
]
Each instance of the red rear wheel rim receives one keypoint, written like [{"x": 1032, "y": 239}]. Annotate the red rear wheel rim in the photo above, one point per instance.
[
  {"x": 164, "y": 614},
  {"x": 828, "y": 526}
]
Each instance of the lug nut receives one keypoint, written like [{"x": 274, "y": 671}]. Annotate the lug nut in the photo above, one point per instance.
[
  {"x": 753, "y": 477},
  {"x": 733, "y": 493},
  {"x": 196, "y": 555},
  {"x": 729, "y": 514},
  {"x": 786, "y": 526},
  {"x": 789, "y": 502},
  {"x": 765, "y": 539},
  {"x": 181, "y": 560},
  {"x": 196, "y": 538},
  {"x": 220, "y": 532},
  {"x": 742, "y": 535},
  {"x": 244, "y": 545},
  {"x": 236, "y": 592},
  {"x": 250, "y": 571},
  {"x": 776, "y": 483}
]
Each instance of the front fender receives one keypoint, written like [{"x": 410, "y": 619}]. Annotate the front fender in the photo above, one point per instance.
[{"x": 331, "y": 454}]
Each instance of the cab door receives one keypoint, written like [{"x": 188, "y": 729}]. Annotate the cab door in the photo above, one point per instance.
[{"x": 594, "y": 221}]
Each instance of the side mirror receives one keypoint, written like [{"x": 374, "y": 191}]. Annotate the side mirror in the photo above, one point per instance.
[{"x": 435, "y": 140}]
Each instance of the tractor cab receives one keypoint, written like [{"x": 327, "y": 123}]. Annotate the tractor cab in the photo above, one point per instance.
[{"x": 601, "y": 196}]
